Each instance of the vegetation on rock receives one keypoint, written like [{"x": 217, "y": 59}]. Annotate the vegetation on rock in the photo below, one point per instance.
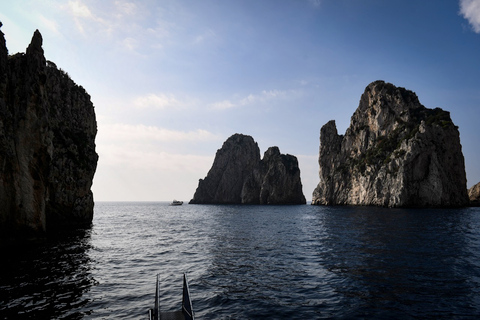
[{"x": 396, "y": 152}]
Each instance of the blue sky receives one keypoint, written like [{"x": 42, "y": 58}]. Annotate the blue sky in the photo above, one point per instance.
[{"x": 172, "y": 80}]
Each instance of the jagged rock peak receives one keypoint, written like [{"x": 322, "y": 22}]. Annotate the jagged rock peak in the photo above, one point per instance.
[
  {"x": 279, "y": 179},
  {"x": 239, "y": 176},
  {"x": 395, "y": 153},
  {"x": 35, "y": 46},
  {"x": 47, "y": 145},
  {"x": 239, "y": 141}
]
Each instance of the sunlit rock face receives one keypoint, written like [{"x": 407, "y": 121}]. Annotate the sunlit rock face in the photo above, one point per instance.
[
  {"x": 239, "y": 176},
  {"x": 47, "y": 144},
  {"x": 396, "y": 153},
  {"x": 474, "y": 195}
]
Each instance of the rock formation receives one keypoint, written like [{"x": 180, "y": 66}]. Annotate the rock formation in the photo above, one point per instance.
[
  {"x": 474, "y": 195},
  {"x": 238, "y": 176},
  {"x": 395, "y": 153},
  {"x": 275, "y": 181},
  {"x": 47, "y": 144}
]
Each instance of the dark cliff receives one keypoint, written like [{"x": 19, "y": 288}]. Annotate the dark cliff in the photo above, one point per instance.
[
  {"x": 47, "y": 144},
  {"x": 233, "y": 163},
  {"x": 239, "y": 176},
  {"x": 395, "y": 153}
]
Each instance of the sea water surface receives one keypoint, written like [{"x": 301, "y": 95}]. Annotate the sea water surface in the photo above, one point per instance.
[{"x": 251, "y": 262}]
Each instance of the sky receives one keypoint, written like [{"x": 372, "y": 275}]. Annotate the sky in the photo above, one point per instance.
[{"x": 171, "y": 80}]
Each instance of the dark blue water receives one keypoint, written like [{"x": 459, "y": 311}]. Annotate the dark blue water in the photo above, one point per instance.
[{"x": 251, "y": 262}]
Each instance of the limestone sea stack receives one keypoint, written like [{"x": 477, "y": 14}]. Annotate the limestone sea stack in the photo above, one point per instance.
[
  {"x": 47, "y": 144},
  {"x": 474, "y": 195},
  {"x": 239, "y": 176},
  {"x": 395, "y": 153}
]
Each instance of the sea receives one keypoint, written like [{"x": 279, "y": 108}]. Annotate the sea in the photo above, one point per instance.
[{"x": 250, "y": 262}]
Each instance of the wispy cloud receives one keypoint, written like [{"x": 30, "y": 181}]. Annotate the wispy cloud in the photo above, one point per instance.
[
  {"x": 49, "y": 24},
  {"x": 147, "y": 159},
  {"x": 207, "y": 35},
  {"x": 470, "y": 10},
  {"x": 79, "y": 9},
  {"x": 315, "y": 3},
  {"x": 131, "y": 25},
  {"x": 157, "y": 101},
  {"x": 81, "y": 14},
  {"x": 125, "y": 8},
  {"x": 222, "y": 105},
  {"x": 263, "y": 97},
  {"x": 142, "y": 134}
]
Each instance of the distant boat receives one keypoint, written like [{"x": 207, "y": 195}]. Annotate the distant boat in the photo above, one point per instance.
[
  {"x": 185, "y": 314},
  {"x": 176, "y": 203}
]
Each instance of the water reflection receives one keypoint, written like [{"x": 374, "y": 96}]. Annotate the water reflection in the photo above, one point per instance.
[
  {"x": 46, "y": 279},
  {"x": 247, "y": 262},
  {"x": 261, "y": 266},
  {"x": 391, "y": 258}
]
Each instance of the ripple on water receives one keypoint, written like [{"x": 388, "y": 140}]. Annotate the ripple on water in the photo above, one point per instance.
[{"x": 252, "y": 262}]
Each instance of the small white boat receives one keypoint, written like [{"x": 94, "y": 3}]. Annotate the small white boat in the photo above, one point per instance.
[{"x": 176, "y": 203}]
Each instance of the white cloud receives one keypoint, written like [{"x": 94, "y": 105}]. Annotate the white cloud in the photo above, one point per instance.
[
  {"x": 136, "y": 27},
  {"x": 79, "y": 9},
  {"x": 142, "y": 134},
  {"x": 130, "y": 43},
  {"x": 49, "y": 24},
  {"x": 119, "y": 17},
  {"x": 82, "y": 15},
  {"x": 263, "y": 97},
  {"x": 157, "y": 101},
  {"x": 209, "y": 34},
  {"x": 222, "y": 105},
  {"x": 125, "y": 8},
  {"x": 470, "y": 9}
]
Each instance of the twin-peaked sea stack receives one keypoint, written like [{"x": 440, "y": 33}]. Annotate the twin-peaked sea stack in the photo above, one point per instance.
[
  {"x": 47, "y": 145},
  {"x": 396, "y": 153},
  {"x": 239, "y": 176}
]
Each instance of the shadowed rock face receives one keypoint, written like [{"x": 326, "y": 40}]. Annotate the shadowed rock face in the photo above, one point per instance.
[
  {"x": 47, "y": 144},
  {"x": 395, "y": 153},
  {"x": 238, "y": 176},
  {"x": 233, "y": 163}
]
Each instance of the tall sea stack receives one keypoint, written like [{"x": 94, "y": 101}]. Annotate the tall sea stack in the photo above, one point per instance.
[
  {"x": 396, "y": 153},
  {"x": 47, "y": 144},
  {"x": 238, "y": 176}
]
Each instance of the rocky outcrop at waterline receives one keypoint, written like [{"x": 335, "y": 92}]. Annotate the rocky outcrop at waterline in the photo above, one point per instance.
[
  {"x": 47, "y": 144},
  {"x": 395, "y": 153},
  {"x": 239, "y": 176},
  {"x": 474, "y": 195},
  {"x": 276, "y": 181}
]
